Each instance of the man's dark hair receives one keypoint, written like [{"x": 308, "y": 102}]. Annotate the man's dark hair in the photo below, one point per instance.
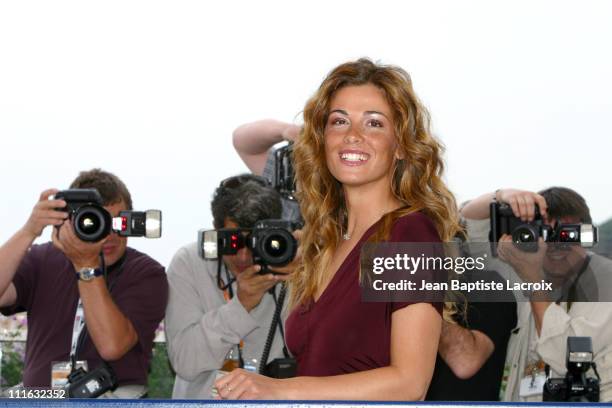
[
  {"x": 245, "y": 199},
  {"x": 565, "y": 202},
  {"x": 110, "y": 187}
]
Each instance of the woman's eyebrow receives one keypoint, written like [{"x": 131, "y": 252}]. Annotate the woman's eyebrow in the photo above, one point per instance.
[
  {"x": 342, "y": 111},
  {"x": 375, "y": 113}
]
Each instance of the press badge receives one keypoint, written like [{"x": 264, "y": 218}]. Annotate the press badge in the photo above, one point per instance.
[
  {"x": 60, "y": 371},
  {"x": 532, "y": 385}
]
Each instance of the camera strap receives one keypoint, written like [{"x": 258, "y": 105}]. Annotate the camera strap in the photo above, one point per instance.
[{"x": 275, "y": 322}]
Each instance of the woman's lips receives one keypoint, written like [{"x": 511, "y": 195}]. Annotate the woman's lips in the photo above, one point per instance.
[{"x": 353, "y": 157}]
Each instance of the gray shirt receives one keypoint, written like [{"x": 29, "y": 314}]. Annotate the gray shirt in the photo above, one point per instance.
[{"x": 201, "y": 326}]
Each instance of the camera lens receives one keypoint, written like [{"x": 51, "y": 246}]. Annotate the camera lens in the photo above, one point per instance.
[
  {"x": 276, "y": 247},
  {"x": 525, "y": 237},
  {"x": 91, "y": 223}
]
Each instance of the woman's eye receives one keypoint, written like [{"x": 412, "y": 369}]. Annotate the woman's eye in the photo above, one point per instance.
[
  {"x": 375, "y": 123},
  {"x": 338, "y": 121}
]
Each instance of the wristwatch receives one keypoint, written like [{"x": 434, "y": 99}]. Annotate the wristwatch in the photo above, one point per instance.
[{"x": 86, "y": 274}]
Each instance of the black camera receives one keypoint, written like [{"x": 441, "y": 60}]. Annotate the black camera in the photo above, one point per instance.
[
  {"x": 281, "y": 368},
  {"x": 93, "y": 223},
  {"x": 575, "y": 386},
  {"x": 83, "y": 384},
  {"x": 284, "y": 175},
  {"x": 525, "y": 235},
  {"x": 270, "y": 242}
]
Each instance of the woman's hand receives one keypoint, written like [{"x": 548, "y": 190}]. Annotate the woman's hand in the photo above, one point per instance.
[{"x": 241, "y": 384}]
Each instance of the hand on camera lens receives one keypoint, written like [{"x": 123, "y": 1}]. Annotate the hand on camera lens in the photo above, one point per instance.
[
  {"x": 81, "y": 254},
  {"x": 523, "y": 203},
  {"x": 528, "y": 265},
  {"x": 45, "y": 213},
  {"x": 252, "y": 286}
]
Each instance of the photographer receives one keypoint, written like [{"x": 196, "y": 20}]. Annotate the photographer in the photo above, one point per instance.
[
  {"x": 122, "y": 304},
  {"x": 254, "y": 142},
  {"x": 539, "y": 340},
  {"x": 214, "y": 308}
]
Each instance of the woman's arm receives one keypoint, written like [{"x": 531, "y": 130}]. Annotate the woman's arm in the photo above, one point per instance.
[{"x": 415, "y": 333}]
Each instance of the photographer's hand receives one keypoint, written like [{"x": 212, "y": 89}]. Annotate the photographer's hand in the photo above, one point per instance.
[
  {"x": 13, "y": 251},
  {"x": 81, "y": 254},
  {"x": 252, "y": 286},
  {"x": 523, "y": 203},
  {"x": 528, "y": 265},
  {"x": 45, "y": 213}
]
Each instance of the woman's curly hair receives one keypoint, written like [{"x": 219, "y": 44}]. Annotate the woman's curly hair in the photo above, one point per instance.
[{"x": 417, "y": 179}]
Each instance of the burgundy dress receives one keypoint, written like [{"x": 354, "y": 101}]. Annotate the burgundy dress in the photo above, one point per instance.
[{"x": 340, "y": 334}]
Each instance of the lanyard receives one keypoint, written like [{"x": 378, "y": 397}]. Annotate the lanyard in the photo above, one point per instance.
[{"x": 77, "y": 328}]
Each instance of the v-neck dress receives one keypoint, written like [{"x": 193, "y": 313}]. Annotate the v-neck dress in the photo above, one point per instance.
[{"x": 340, "y": 334}]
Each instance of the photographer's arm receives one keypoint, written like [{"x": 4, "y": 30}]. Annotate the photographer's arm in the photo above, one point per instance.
[
  {"x": 464, "y": 350},
  {"x": 521, "y": 201},
  {"x": 253, "y": 140},
  {"x": 414, "y": 343},
  {"x": 13, "y": 251},
  {"x": 110, "y": 330}
]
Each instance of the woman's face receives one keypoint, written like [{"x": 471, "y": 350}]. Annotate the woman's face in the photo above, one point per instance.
[{"x": 360, "y": 141}]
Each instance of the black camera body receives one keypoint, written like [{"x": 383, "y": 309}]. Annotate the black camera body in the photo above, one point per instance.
[
  {"x": 270, "y": 242},
  {"x": 284, "y": 175},
  {"x": 90, "y": 219},
  {"x": 575, "y": 386},
  {"x": 525, "y": 235},
  {"x": 281, "y": 368},
  {"x": 92, "y": 223},
  {"x": 83, "y": 384}
]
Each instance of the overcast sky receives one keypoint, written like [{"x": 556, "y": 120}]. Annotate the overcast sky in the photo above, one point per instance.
[{"x": 519, "y": 91}]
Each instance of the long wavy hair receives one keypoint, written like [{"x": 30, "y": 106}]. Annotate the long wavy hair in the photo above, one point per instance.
[{"x": 416, "y": 182}]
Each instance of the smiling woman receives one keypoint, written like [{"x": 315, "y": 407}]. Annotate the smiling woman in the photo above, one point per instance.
[{"x": 367, "y": 170}]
